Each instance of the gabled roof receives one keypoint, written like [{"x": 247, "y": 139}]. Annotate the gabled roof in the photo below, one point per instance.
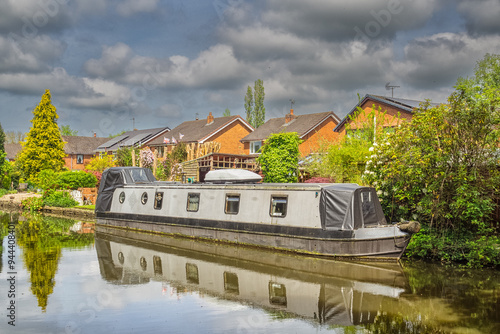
[
  {"x": 405, "y": 105},
  {"x": 302, "y": 124},
  {"x": 132, "y": 138},
  {"x": 82, "y": 145},
  {"x": 199, "y": 130},
  {"x": 11, "y": 149}
]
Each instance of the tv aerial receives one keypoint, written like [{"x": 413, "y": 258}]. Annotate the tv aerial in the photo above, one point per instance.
[
  {"x": 292, "y": 102},
  {"x": 391, "y": 87}
]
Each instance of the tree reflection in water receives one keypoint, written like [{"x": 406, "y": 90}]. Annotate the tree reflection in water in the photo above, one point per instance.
[{"x": 41, "y": 240}]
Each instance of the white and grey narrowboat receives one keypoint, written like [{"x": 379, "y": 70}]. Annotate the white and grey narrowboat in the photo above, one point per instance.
[{"x": 337, "y": 220}]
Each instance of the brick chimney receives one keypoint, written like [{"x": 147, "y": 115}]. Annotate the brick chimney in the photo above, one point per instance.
[
  {"x": 95, "y": 134},
  {"x": 210, "y": 118},
  {"x": 289, "y": 117}
]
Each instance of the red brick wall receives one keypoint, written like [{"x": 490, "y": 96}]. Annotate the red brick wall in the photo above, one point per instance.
[
  {"x": 392, "y": 117},
  {"x": 70, "y": 161},
  {"x": 321, "y": 136},
  {"x": 230, "y": 137}
]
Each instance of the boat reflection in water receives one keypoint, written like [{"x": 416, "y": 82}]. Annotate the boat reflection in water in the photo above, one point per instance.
[{"x": 323, "y": 290}]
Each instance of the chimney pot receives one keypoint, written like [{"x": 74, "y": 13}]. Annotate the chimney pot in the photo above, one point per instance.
[
  {"x": 210, "y": 118},
  {"x": 289, "y": 117}
]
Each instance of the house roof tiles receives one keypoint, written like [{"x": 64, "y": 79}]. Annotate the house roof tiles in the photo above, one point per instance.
[
  {"x": 302, "y": 124},
  {"x": 198, "y": 130}
]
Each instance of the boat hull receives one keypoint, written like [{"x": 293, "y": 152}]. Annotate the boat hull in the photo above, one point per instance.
[{"x": 314, "y": 242}]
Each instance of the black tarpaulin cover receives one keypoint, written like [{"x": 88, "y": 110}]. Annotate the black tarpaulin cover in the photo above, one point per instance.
[
  {"x": 117, "y": 177},
  {"x": 347, "y": 206}
]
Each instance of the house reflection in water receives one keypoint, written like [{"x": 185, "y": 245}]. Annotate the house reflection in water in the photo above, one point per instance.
[{"x": 325, "y": 291}]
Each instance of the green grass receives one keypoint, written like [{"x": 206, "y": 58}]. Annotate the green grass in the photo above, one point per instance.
[
  {"x": 86, "y": 207},
  {"x": 5, "y": 192}
]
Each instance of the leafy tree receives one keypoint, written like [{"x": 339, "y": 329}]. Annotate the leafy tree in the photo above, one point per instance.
[
  {"x": 227, "y": 112},
  {"x": 3, "y": 162},
  {"x": 259, "y": 109},
  {"x": 442, "y": 169},
  {"x": 280, "y": 157},
  {"x": 2, "y": 139},
  {"x": 249, "y": 105},
  {"x": 124, "y": 156},
  {"x": 66, "y": 131},
  {"x": 101, "y": 162},
  {"x": 43, "y": 148}
]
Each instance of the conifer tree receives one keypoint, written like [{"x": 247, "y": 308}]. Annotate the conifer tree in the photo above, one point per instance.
[
  {"x": 259, "y": 109},
  {"x": 43, "y": 147},
  {"x": 249, "y": 105}
]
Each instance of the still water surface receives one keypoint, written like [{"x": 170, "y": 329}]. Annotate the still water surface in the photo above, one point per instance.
[{"x": 72, "y": 277}]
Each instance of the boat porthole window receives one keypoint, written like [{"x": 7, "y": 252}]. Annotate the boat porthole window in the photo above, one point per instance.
[
  {"x": 122, "y": 197},
  {"x": 279, "y": 206},
  {"x": 192, "y": 273},
  {"x": 121, "y": 258},
  {"x": 193, "y": 202},
  {"x": 144, "y": 263},
  {"x": 232, "y": 204},
  {"x": 144, "y": 198}
]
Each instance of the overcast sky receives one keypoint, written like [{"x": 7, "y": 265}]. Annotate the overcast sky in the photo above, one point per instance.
[{"x": 164, "y": 62}]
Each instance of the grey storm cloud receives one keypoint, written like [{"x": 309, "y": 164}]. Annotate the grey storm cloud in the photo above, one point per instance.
[
  {"x": 340, "y": 20},
  {"x": 482, "y": 16}
]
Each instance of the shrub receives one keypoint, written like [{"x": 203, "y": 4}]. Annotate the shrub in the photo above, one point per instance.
[
  {"x": 100, "y": 163},
  {"x": 60, "y": 199},
  {"x": 75, "y": 180},
  {"x": 32, "y": 204}
]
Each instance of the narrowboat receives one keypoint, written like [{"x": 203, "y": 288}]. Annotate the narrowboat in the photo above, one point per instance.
[{"x": 335, "y": 220}]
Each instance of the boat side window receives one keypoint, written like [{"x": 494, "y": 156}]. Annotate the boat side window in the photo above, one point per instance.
[
  {"x": 277, "y": 294},
  {"x": 231, "y": 284},
  {"x": 192, "y": 273},
  {"x": 278, "y": 206},
  {"x": 232, "y": 204},
  {"x": 193, "y": 202},
  {"x": 158, "y": 200}
]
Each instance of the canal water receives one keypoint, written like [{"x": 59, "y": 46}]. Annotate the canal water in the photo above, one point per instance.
[{"x": 59, "y": 275}]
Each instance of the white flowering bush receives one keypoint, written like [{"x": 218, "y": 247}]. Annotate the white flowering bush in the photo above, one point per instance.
[{"x": 147, "y": 157}]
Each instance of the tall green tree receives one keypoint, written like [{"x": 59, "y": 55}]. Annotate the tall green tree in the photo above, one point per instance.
[
  {"x": 249, "y": 106},
  {"x": 254, "y": 104},
  {"x": 279, "y": 158},
  {"x": 259, "y": 109},
  {"x": 67, "y": 131},
  {"x": 2, "y": 139},
  {"x": 43, "y": 148},
  {"x": 227, "y": 112}
]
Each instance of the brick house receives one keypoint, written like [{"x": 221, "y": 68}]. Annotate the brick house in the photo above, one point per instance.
[
  {"x": 392, "y": 112},
  {"x": 204, "y": 136},
  {"x": 313, "y": 129},
  {"x": 79, "y": 150}
]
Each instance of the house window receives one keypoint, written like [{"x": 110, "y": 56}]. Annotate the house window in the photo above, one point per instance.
[
  {"x": 232, "y": 204},
  {"x": 79, "y": 158},
  {"x": 193, "y": 202},
  {"x": 278, "y": 206},
  {"x": 255, "y": 147}
]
